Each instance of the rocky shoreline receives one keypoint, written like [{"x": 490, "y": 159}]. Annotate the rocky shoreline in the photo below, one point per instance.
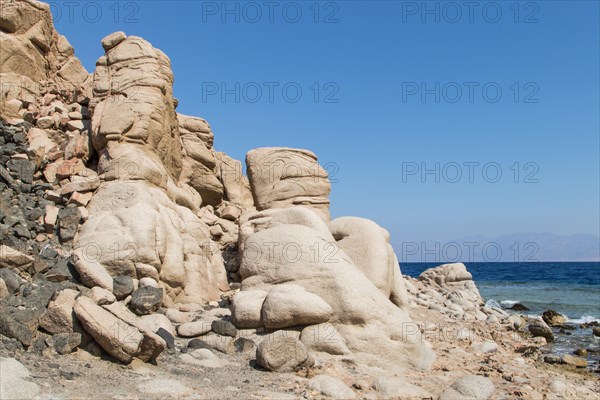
[{"x": 136, "y": 261}]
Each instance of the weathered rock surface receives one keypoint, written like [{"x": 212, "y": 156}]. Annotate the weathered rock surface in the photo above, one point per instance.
[
  {"x": 118, "y": 332},
  {"x": 282, "y": 354},
  {"x": 246, "y": 308},
  {"x": 369, "y": 322},
  {"x": 34, "y": 53},
  {"x": 290, "y": 305},
  {"x": 392, "y": 388},
  {"x": 552, "y": 318},
  {"x": 331, "y": 387},
  {"x": 324, "y": 338},
  {"x": 368, "y": 245},
  {"x": 283, "y": 177},
  {"x": 145, "y": 206},
  {"x": 59, "y": 317},
  {"x": 473, "y": 387},
  {"x": 12, "y": 258},
  {"x": 15, "y": 381},
  {"x": 539, "y": 328}
]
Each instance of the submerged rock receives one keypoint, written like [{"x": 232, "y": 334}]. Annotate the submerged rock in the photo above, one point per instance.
[
  {"x": 553, "y": 318},
  {"x": 519, "y": 307}
]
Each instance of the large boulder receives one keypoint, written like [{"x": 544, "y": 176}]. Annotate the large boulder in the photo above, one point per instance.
[
  {"x": 538, "y": 328},
  {"x": 135, "y": 230},
  {"x": 246, "y": 307},
  {"x": 368, "y": 245},
  {"x": 282, "y": 177},
  {"x": 454, "y": 281},
  {"x": 283, "y": 354},
  {"x": 118, "y": 331},
  {"x": 373, "y": 327},
  {"x": 290, "y": 305}
]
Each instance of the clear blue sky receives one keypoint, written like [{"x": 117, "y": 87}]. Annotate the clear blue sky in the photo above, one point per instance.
[{"x": 375, "y": 55}]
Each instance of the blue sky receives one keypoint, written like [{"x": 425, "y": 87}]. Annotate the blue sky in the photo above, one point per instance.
[{"x": 376, "y": 120}]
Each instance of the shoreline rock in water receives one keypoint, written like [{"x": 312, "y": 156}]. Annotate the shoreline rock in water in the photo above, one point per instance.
[{"x": 137, "y": 260}]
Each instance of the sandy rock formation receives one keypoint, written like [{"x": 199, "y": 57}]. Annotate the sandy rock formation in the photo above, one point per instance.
[
  {"x": 140, "y": 209},
  {"x": 34, "y": 57},
  {"x": 368, "y": 245},
  {"x": 373, "y": 327},
  {"x": 282, "y": 177},
  {"x": 199, "y": 162}
]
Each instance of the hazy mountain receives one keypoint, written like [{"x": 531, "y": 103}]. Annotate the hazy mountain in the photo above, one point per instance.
[{"x": 507, "y": 248}]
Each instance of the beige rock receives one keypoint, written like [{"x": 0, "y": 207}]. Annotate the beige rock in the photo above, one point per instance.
[
  {"x": 151, "y": 233},
  {"x": 324, "y": 338},
  {"x": 59, "y": 317},
  {"x": 289, "y": 305},
  {"x": 331, "y": 387},
  {"x": 179, "y": 317},
  {"x": 101, "y": 296},
  {"x": 472, "y": 387},
  {"x": 199, "y": 165},
  {"x": 113, "y": 40},
  {"x": 154, "y": 322},
  {"x": 373, "y": 327},
  {"x": 3, "y": 289},
  {"x": 116, "y": 337},
  {"x": 396, "y": 388},
  {"x": 235, "y": 185},
  {"x": 14, "y": 379},
  {"x": 34, "y": 53},
  {"x": 152, "y": 344},
  {"x": 368, "y": 246},
  {"x": 282, "y": 177},
  {"x": 283, "y": 354},
  {"x": 39, "y": 141},
  {"x": 246, "y": 308},
  {"x": 193, "y": 329},
  {"x": 50, "y": 217},
  {"x": 578, "y": 362},
  {"x": 11, "y": 258},
  {"x": 538, "y": 328},
  {"x": 453, "y": 279},
  {"x": 80, "y": 199}
]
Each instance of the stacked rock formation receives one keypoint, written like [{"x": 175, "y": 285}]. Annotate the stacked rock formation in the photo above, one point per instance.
[{"x": 157, "y": 224}]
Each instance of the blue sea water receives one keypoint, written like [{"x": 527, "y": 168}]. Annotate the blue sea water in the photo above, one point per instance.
[{"x": 570, "y": 288}]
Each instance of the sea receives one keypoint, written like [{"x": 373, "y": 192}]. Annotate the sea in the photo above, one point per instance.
[{"x": 569, "y": 288}]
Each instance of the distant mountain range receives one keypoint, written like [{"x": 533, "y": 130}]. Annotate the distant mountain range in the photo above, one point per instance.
[{"x": 516, "y": 247}]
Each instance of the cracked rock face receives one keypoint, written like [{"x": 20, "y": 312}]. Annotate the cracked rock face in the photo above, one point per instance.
[
  {"x": 141, "y": 210},
  {"x": 34, "y": 55},
  {"x": 282, "y": 177}
]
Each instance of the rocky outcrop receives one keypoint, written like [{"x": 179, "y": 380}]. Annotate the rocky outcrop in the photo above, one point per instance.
[
  {"x": 141, "y": 209},
  {"x": 283, "y": 177},
  {"x": 199, "y": 165},
  {"x": 34, "y": 59},
  {"x": 308, "y": 256}
]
